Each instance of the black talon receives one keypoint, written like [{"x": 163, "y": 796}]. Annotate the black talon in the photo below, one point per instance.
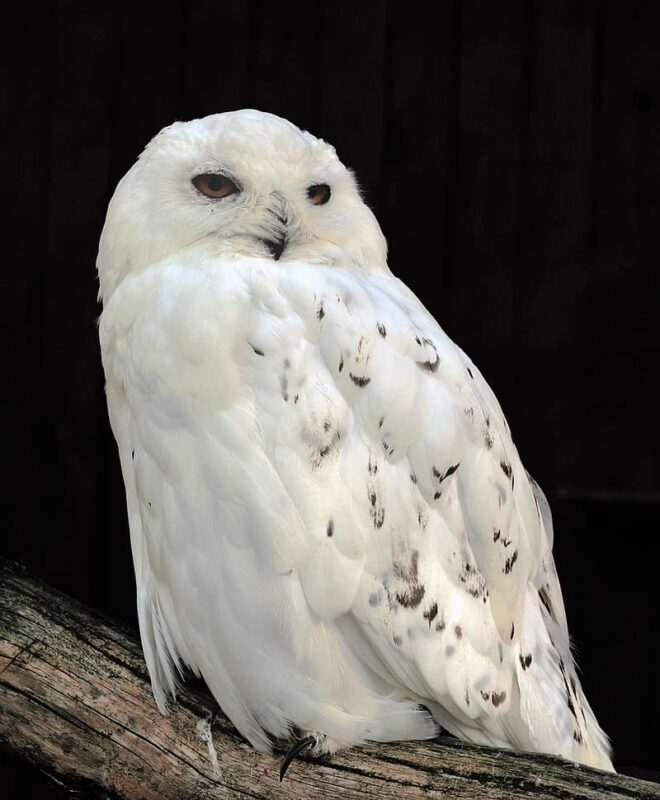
[{"x": 294, "y": 750}]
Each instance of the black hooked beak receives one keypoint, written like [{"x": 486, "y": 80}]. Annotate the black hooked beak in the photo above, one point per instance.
[
  {"x": 276, "y": 246},
  {"x": 278, "y": 243}
]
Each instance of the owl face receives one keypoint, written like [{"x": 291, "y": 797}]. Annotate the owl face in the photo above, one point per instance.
[{"x": 247, "y": 184}]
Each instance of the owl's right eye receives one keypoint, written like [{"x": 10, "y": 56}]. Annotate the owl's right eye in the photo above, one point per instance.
[{"x": 214, "y": 185}]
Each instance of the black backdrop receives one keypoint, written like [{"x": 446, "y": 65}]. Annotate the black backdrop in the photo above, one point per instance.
[{"x": 511, "y": 151}]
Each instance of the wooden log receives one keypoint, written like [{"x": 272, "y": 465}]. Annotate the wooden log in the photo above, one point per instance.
[{"x": 75, "y": 701}]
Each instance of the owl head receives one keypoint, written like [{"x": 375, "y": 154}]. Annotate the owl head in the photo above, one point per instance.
[{"x": 243, "y": 183}]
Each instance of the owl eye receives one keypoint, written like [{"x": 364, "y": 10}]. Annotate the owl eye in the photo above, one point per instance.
[
  {"x": 214, "y": 185},
  {"x": 319, "y": 194}
]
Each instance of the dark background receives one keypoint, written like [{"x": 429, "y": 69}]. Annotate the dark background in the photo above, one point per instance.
[{"x": 511, "y": 151}]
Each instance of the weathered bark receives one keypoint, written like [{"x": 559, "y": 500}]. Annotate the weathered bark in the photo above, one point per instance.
[{"x": 75, "y": 701}]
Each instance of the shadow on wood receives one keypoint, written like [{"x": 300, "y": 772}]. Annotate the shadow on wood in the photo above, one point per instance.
[{"x": 75, "y": 701}]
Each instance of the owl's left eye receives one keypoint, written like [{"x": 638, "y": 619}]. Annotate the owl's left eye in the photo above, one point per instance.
[
  {"x": 319, "y": 194},
  {"x": 214, "y": 185}
]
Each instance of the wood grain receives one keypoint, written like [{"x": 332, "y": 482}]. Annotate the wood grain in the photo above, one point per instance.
[{"x": 75, "y": 701}]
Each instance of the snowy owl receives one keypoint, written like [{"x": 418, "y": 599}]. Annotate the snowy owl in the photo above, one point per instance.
[{"x": 329, "y": 520}]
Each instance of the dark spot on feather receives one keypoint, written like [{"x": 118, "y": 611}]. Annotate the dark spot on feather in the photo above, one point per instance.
[
  {"x": 449, "y": 651},
  {"x": 412, "y": 596},
  {"x": 372, "y": 467},
  {"x": 450, "y": 471},
  {"x": 467, "y": 696},
  {"x": 513, "y": 631},
  {"x": 286, "y": 363},
  {"x": 381, "y": 329},
  {"x": 284, "y": 384},
  {"x": 488, "y": 440},
  {"x": 398, "y": 640},
  {"x": 577, "y": 736},
  {"x": 458, "y": 631},
  {"x": 506, "y": 468},
  {"x": 331, "y": 528},
  {"x": 133, "y": 454},
  {"x": 485, "y": 695},
  {"x": 296, "y": 398},
  {"x": 373, "y": 600},
  {"x": 380, "y": 422},
  {"x": 256, "y": 349},
  {"x": 545, "y": 599},
  {"x": 437, "y": 495},
  {"x": 428, "y": 365},
  {"x": 496, "y": 534},
  {"x": 323, "y": 452},
  {"x": 440, "y": 626},
  {"x": 320, "y": 312},
  {"x": 508, "y": 564},
  {"x": 418, "y": 340},
  {"x": 470, "y": 373},
  {"x": 431, "y": 614},
  {"x": 497, "y": 698},
  {"x": 372, "y": 498},
  {"x": 341, "y": 363},
  {"x": 149, "y": 503},
  {"x": 413, "y": 477},
  {"x": 359, "y": 380},
  {"x": 525, "y": 661},
  {"x": 414, "y": 592},
  {"x": 327, "y": 425}
]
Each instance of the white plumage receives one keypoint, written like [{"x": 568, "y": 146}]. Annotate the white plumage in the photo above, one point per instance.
[{"x": 329, "y": 519}]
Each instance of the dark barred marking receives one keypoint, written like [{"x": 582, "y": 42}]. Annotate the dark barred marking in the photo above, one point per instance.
[
  {"x": 513, "y": 631},
  {"x": 360, "y": 381},
  {"x": 256, "y": 349},
  {"x": 497, "y": 698},
  {"x": 381, "y": 329},
  {"x": 506, "y": 469},
  {"x": 508, "y": 564},
  {"x": 331, "y": 528},
  {"x": 545, "y": 599},
  {"x": 458, "y": 631},
  {"x": 450, "y": 471},
  {"x": 496, "y": 534},
  {"x": 525, "y": 661},
  {"x": 320, "y": 311},
  {"x": 470, "y": 373},
  {"x": 341, "y": 363},
  {"x": 428, "y": 365},
  {"x": 431, "y": 614}
]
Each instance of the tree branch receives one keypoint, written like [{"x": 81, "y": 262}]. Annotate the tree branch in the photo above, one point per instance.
[{"x": 75, "y": 701}]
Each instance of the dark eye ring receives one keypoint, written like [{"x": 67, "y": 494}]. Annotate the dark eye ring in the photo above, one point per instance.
[
  {"x": 214, "y": 185},
  {"x": 319, "y": 194}
]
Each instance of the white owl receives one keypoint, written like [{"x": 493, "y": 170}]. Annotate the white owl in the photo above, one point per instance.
[{"x": 329, "y": 520}]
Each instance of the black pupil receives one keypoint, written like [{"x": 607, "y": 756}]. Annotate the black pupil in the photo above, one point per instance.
[
  {"x": 319, "y": 193},
  {"x": 215, "y": 182}
]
